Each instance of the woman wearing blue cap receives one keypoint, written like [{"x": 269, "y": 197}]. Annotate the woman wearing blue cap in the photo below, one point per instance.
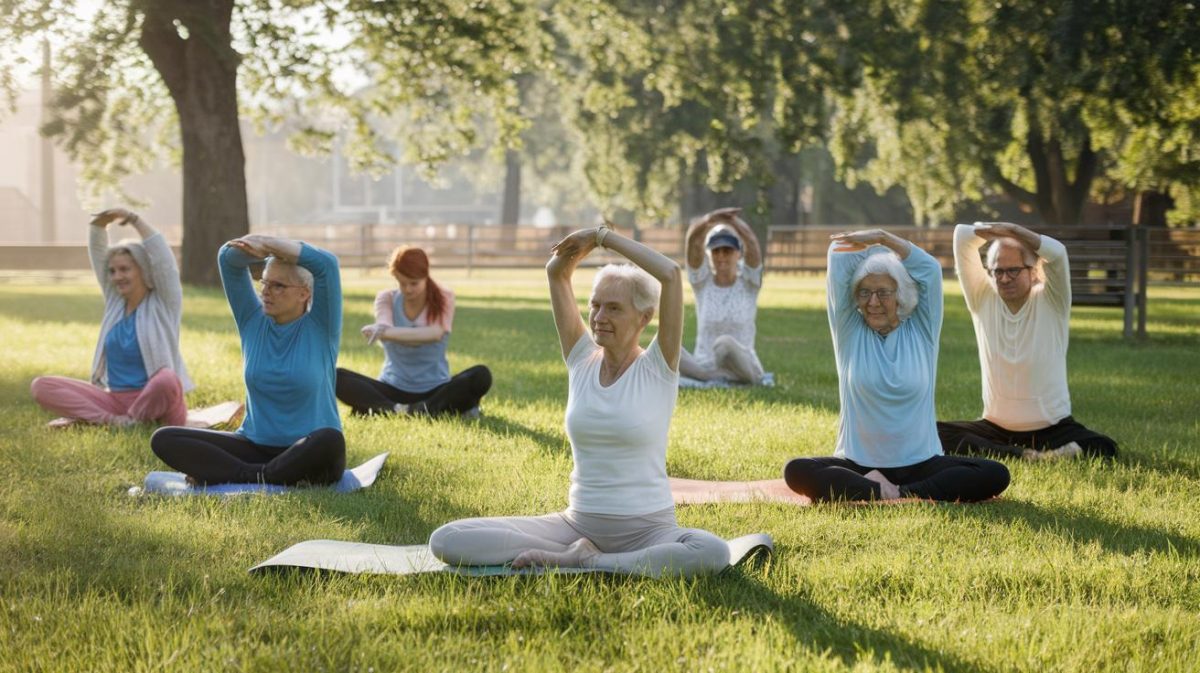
[{"x": 726, "y": 286}]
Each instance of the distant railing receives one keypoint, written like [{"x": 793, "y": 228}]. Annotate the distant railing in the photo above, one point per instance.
[{"x": 457, "y": 245}]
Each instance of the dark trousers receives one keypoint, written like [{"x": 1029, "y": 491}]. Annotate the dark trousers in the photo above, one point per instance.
[
  {"x": 212, "y": 457},
  {"x": 948, "y": 478},
  {"x": 985, "y": 438},
  {"x": 366, "y": 395}
]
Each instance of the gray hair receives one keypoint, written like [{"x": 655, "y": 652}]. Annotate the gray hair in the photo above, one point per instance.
[
  {"x": 137, "y": 252},
  {"x": 300, "y": 273},
  {"x": 1028, "y": 256},
  {"x": 890, "y": 264},
  {"x": 644, "y": 288}
]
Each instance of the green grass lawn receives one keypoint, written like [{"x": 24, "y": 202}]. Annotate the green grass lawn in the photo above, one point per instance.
[{"x": 1081, "y": 566}]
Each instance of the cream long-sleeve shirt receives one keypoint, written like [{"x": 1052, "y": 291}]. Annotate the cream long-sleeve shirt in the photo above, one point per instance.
[{"x": 1022, "y": 355}]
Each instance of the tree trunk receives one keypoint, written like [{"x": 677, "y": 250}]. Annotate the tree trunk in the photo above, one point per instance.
[
  {"x": 199, "y": 68},
  {"x": 510, "y": 206},
  {"x": 1150, "y": 208}
]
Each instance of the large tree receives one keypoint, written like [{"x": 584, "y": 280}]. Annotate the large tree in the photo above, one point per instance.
[
  {"x": 143, "y": 73},
  {"x": 1032, "y": 100}
]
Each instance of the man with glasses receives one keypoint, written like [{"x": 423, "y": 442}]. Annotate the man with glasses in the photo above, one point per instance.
[{"x": 1020, "y": 303}]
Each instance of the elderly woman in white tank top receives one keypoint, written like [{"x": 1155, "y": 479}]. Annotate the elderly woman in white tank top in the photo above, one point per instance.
[{"x": 620, "y": 514}]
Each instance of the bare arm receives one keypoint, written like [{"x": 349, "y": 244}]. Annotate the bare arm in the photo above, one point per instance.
[
  {"x": 559, "y": 271},
  {"x": 696, "y": 233}
]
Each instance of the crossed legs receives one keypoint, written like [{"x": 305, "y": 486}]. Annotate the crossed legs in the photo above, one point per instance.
[{"x": 651, "y": 545}]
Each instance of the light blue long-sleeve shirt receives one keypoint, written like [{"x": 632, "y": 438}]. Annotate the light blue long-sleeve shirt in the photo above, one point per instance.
[
  {"x": 289, "y": 369},
  {"x": 886, "y": 384}
]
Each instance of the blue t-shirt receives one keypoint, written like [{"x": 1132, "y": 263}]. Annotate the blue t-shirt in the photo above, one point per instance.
[
  {"x": 886, "y": 384},
  {"x": 126, "y": 369},
  {"x": 289, "y": 369},
  {"x": 414, "y": 368}
]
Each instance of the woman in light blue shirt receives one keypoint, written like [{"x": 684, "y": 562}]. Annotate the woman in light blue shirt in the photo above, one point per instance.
[
  {"x": 413, "y": 323},
  {"x": 885, "y": 315},
  {"x": 290, "y": 336}
]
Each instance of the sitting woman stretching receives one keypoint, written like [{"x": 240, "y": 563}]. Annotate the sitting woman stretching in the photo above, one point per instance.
[
  {"x": 138, "y": 374},
  {"x": 620, "y": 515},
  {"x": 726, "y": 291},
  {"x": 291, "y": 432},
  {"x": 413, "y": 325},
  {"x": 885, "y": 313}
]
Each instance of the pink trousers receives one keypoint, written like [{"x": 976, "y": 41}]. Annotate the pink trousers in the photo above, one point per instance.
[{"x": 160, "y": 401}]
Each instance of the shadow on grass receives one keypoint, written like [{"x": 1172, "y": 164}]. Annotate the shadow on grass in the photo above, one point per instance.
[
  {"x": 1079, "y": 527},
  {"x": 819, "y": 631},
  {"x": 549, "y": 442}
]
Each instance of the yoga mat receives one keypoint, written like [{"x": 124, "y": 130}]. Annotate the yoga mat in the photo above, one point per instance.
[
  {"x": 768, "y": 380},
  {"x": 224, "y": 414},
  {"x": 380, "y": 559},
  {"x": 175, "y": 483},
  {"x": 700, "y": 492}
]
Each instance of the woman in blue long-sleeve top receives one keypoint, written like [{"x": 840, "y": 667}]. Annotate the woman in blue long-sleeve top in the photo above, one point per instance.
[
  {"x": 885, "y": 314},
  {"x": 290, "y": 336}
]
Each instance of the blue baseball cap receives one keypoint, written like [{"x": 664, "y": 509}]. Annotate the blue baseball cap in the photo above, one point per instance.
[{"x": 723, "y": 238}]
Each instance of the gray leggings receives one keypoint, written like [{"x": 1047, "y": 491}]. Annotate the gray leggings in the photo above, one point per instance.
[{"x": 647, "y": 544}]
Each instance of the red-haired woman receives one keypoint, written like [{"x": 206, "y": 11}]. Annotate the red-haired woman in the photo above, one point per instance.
[{"x": 412, "y": 323}]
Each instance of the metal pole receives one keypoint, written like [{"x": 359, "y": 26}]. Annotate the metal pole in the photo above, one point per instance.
[
  {"x": 47, "y": 147},
  {"x": 1130, "y": 277},
  {"x": 1142, "y": 268}
]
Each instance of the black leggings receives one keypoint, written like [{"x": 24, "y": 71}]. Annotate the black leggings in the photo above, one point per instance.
[
  {"x": 213, "y": 457},
  {"x": 948, "y": 478},
  {"x": 366, "y": 395},
  {"x": 985, "y": 438}
]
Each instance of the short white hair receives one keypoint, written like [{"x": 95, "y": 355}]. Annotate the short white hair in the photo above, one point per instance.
[
  {"x": 298, "y": 272},
  {"x": 889, "y": 263},
  {"x": 644, "y": 287}
]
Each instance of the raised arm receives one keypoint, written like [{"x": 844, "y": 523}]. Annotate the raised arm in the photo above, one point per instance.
[
  {"x": 234, "y": 262},
  {"x": 164, "y": 270},
  {"x": 566, "y": 255},
  {"x": 971, "y": 275},
  {"x": 694, "y": 240}
]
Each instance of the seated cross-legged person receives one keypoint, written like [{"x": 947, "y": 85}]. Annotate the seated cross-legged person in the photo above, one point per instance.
[
  {"x": 291, "y": 433},
  {"x": 1022, "y": 324},
  {"x": 620, "y": 515},
  {"x": 726, "y": 286},
  {"x": 885, "y": 314},
  {"x": 138, "y": 375},
  {"x": 413, "y": 324}
]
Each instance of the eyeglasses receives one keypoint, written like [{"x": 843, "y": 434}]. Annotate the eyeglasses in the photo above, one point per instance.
[
  {"x": 1009, "y": 272},
  {"x": 882, "y": 295},
  {"x": 271, "y": 287}
]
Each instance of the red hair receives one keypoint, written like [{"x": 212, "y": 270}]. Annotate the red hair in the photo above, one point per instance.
[{"x": 414, "y": 263}]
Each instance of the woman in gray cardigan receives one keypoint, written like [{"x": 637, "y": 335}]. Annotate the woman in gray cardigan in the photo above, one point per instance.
[{"x": 138, "y": 374}]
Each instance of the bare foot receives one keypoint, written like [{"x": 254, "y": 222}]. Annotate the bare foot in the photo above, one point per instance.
[
  {"x": 887, "y": 490},
  {"x": 1066, "y": 451},
  {"x": 575, "y": 556}
]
